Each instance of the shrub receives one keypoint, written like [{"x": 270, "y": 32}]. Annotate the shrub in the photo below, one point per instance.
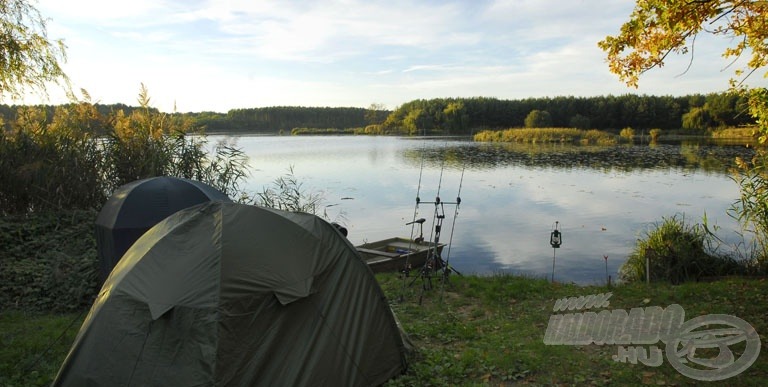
[
  {"x": 676, "y": 252},
  {"x": 48, "y": 261},
  {"x": 579, "y": 122},
  {"x": 627, "y": 133},
  {"x": 538, "y": 119}
]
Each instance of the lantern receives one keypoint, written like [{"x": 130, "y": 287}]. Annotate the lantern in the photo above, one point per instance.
[
  {"x": 555, "y": 240},
  {"x": 556, "y": 237}
]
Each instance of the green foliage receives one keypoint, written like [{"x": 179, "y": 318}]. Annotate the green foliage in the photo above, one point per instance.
[
  {"x": 758, "y": 108},
  {"x": 28, "y": 59},
  {"x": 323, "y": 131},
  {"x": 538, "y": 119},
  {"x": 456, "y": 118},
  {"x": 696, "y": 119},
  {"x": 48, "y": 261},
  {"x": 417, "y": 121},
  {"x": 579, "y": 122},
  {"x": 276, "y": 118},
  {"x": 376, "y": 114},
  {"x": 676, "y": 252}
]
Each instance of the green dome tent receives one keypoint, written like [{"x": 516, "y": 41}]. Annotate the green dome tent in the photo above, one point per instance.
[{"x": 238, "y": 295}]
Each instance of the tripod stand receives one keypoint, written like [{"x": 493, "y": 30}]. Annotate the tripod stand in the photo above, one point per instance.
[{"x": 434, "y": 261}]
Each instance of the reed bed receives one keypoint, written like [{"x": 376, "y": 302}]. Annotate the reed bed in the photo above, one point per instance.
[{"x": 547, "y": 135}]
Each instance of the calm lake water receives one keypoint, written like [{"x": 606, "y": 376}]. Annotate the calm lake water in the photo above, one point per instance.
[{"x": 604, "y": 198}]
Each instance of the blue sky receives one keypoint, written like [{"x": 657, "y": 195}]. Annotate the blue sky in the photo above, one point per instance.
[{"x": 216, "y": 55}]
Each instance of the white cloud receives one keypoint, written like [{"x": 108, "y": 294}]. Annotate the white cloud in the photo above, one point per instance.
[{"x": 222, "y": 54}]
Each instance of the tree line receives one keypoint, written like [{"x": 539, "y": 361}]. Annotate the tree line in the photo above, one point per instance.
[
  {"x": 454, "y": 115},
  {"x": 466, "y": 115}
]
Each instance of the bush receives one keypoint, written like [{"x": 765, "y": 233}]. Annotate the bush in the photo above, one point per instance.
[
  {"x": 538, "y": 119},
  {"x": 676, "y": 252},
  {"x": 627, "y": 133},
  {"x": 48, "y": 261},
  {"x": 579, "y": 122}
]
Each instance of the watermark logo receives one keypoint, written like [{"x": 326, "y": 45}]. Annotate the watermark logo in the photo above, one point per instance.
[{"x": 701, "y": 354}]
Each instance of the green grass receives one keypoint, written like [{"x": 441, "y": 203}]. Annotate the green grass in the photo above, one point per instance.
[
  {"x": 474, "y": 331},
  {"x": 489, "y": 330},
  {"x": 33, "y": 346}
]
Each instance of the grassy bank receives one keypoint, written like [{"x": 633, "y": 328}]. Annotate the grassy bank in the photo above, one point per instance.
[
  {"x": 489, "y": 330},
  {"x": 476, "y": 330}
]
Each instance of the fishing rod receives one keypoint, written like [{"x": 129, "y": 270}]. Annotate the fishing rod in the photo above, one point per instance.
[
  {"x": 434, "y": 261},
  {"x": 407, "y": 266},
  {"x": 448, "y": 268}
]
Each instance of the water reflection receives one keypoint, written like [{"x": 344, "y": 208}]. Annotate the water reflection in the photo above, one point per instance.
[
  {"x": 604, "y": 197},
  {"x": 625, "y": 157}
]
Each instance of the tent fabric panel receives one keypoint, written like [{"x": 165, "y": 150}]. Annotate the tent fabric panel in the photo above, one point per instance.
[
  {"x": 111, "y": 208},
  {"x": 281, "y": 339},
  {"x": 290, "y": 345},
  {"x": 263, "y": 251},
  {"x": 127, "y": 348},
  {"x": 344, "y": 333},
  {"x": 144, "y": 203},
  {"x": 153, "y": 201},
  {"x": 181, "y": 265},
  {"x": 364, "y": 301}
]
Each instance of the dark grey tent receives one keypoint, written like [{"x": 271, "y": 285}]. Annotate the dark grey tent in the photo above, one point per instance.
[
  {"x": 229, "y": 294},
  {"x": 137, "y": 206}
]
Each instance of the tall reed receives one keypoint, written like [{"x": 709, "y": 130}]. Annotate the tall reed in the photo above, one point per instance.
[{"x": 61, "y": 163}]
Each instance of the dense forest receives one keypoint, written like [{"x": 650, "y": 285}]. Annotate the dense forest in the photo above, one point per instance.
[
  {"x": 465, "y": 115},
  {"x": 695, "y": 112}
]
